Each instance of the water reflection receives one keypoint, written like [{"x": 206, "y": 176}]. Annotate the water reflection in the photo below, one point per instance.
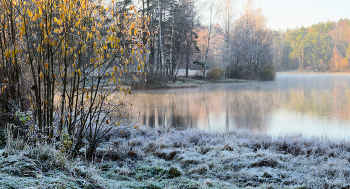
[{"x": 310, "y": 104}]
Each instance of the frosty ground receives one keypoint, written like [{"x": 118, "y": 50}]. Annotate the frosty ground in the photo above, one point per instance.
[{"x": 148, "y": 158}]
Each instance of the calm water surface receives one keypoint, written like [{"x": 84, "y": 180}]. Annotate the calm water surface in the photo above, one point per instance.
[{"x": 316, "y": 105}]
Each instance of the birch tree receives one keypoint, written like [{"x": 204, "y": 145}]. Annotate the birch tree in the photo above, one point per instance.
[
  {"x": 228, "y": 15},
  {"x": 161, "y": 55},
  {"x": 212, "y": 15}
]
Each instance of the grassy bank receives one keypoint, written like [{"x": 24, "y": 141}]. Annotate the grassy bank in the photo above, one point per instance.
[{"x": 184, "y": 159}]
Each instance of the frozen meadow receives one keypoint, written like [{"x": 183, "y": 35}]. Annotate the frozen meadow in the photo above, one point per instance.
[{"x": 147, "y": 158}]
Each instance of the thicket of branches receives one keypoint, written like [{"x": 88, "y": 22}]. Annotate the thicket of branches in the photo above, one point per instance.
[{"x": 63, "y": 65}]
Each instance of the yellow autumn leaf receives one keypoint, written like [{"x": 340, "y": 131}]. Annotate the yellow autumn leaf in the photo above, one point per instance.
[{"x": 23, "y": 29}]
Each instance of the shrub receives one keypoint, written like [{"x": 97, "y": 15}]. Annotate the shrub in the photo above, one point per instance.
[
  {"x": 155, "y": 78},
  {"x": 267, "y": 73},
  {"x": 247, "y": 72},
  {"x": 241, "y": 72},
  {"x": 235, "y": 72},
  {"x": 216, "y": 73},
  {"x": 73, "y": 93}
]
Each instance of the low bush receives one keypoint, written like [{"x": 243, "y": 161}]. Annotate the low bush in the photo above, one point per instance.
[
  {"x": 235, "y": 73},
  {"x": 267, "y": 73},
  {"x": 156, "y": 78},
  {"x": 242, "y": 72},
  {"x": 247, "y": 72},
  {"x": 216, "y": 73}
]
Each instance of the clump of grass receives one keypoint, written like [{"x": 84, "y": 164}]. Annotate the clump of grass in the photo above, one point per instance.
[
  {"x": 124, "y": 171},
  {"x": 143, "y": 172},
  {"x": 20, "y": 167},
  {"x": 200, "y": 169},
  {"x": 174, "y": 172},
  {"x": 48, "y": 156},
  {"x": 167, "y": 154},
  {"x": 208, "y": 182}
]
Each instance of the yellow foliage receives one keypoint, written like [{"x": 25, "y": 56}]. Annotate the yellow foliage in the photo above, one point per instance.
[{"x": 70, "y": 22}]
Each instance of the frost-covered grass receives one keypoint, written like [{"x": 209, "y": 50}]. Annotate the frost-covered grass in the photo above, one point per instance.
[{"x": 186, "y": 159}]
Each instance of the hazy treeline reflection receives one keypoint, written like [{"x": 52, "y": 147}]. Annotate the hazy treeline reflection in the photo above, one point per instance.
[{"x": 244, "y": 105}]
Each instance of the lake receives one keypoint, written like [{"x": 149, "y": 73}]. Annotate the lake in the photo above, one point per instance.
[{"x": 309, "y": 104}]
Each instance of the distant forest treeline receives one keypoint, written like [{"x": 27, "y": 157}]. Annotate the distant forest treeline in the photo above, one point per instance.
[{"x": 321, "y": 47}]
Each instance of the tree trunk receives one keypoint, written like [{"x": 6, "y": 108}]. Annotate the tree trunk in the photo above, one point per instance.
[
  {"x": 227, "y": 29},
  {"x": 161, "y": 57},
  {"x": 172, "y": 42}
]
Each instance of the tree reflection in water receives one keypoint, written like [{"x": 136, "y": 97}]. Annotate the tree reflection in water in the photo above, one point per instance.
[{"x": 251, "y": 105}]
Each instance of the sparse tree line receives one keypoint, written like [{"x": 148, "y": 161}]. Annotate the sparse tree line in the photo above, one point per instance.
[
  {"x": 173, "y": 39},
  {"x": 242, "y": 47},
  {"x": 321, "y": 47}
]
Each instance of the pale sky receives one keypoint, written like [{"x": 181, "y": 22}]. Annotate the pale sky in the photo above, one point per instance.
[{"x": 283, "y": 14}]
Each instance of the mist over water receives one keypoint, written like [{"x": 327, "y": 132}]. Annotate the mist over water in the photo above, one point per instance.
[{"x": 312, "y": 105}]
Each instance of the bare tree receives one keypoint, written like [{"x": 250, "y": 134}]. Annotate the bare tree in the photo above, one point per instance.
[
  {"x": 228, "y": 14},
  {"x": 252, "y": 41},
  {"x": 213, "y": 13}
]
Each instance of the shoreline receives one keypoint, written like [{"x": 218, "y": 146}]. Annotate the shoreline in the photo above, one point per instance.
[
  {"x": 184, "y": 83},
  {"x": 195, "y": 83},
  {"x": 164, "y": 158}
]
